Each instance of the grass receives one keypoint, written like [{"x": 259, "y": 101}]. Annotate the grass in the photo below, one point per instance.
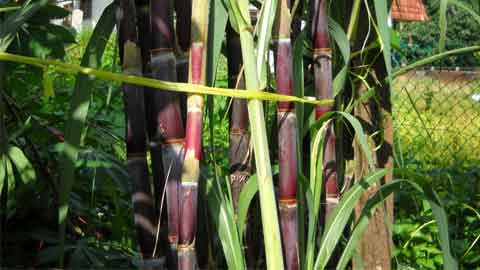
[
  {"x": 441, "y": 130},
  {"x": 439, "y": 137}
]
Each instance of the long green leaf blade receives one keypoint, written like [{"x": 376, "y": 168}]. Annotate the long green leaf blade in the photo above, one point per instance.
[
  {"x": 341, "y": 39},
  {"x": 363, "y": 221},
  {"x": 22, "y": 164},
  {"x": 340, "y": 216},
  {"x": 381, "y": 12},
  {"x": 216, "y": 33},
  {"x": 14, "y": 21},
  {"x": 79, "y": 105},
  {"x": 221, "y": 210},
  {"x": 418, "y": 181}
]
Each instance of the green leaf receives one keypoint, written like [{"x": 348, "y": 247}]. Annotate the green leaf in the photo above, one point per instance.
[
  {"x": 238, "y": 18},
  {"x": 223, "y": 216},
  {"x": 314, "y": 194},
  {"x": 21, "y": 129},
  {"x": 10, "y": 177},
  {"x": 442, "y": 25},
  {"x": 340, "y": 216},
  {"x": 47, "y": 85},
  {"x": 3, "y": 169},
  {"x": 381, "y": 12},
  {"x": 10, "y": 26},
  {"x": 361, "y": 137},
  {"x": 51, "y": 254},
  {"x": 49, "y": 12},
  {"x": 79, "y": 105},
  {"x": 424, "y": 187},
  {"x": 264, "y": 33},
  {"x": 434, "y": 58},
  {"x": 362, "y": 223},
  {"x": 216, "y": 33},
  {"x": 343, "y": 44},
  {"x": 395, "y": 39},
  {"x": 10, "y": 8},
  {"x": 218, "y": 18},
  {"x": 250, "y": 188},
  {"x": 22, "y": 164},
  {"x": 467, "y": 9}
]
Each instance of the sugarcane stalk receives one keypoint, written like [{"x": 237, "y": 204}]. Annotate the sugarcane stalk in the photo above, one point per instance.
[
  {"x": 252, "y": 72},
  {"x": 322, "y": 55},
  {"x": 193, "y": 137},
  {"x": 143, "y": 203},
  {"x": 144, "y": 30},
  {"x": 287, "y": 137},
  {"x": 183, "y": 10},
  {"x": 239, "y": 148},
  {"x": 151, "y": 107},
  {"x": 168, "y": 133},
  {"x": 240, "y": 154}
]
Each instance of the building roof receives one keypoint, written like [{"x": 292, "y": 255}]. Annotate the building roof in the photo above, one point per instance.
[{"x": 409, "y": 10}]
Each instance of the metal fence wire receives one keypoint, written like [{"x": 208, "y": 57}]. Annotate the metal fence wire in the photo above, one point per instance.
[{"x": 437, "y": 118}]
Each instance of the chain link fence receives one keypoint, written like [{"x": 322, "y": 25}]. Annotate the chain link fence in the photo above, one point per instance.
[{"x": 437, "y": 118}]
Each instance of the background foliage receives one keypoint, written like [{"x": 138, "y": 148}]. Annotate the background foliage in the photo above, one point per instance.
[
  {"x": 100, "y": 230},
  {"x": 418, "y": 40}
]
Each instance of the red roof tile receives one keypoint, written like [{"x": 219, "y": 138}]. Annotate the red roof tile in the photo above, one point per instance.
[{"x": 409, "y": 10}]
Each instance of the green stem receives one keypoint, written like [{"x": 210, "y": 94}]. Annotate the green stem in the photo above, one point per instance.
[
  {"x": 268, "y": 205},
  {"x": 434, "y": 58},
  {"x": 159, "y": 84},
  {"x": 352, "y": 25}
]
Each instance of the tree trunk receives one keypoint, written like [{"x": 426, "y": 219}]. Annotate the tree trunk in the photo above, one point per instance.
[{"x": 375, "y": 248}]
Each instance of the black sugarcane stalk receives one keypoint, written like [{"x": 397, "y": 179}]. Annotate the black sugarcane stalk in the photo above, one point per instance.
[
  {"x": 322, "y": 54},
  {"x": 136, "y": 139},
  {"x": 168, "y": 133},
  {"x": 239, "y": 148},
  {"x": 183, "y": 11},
  {"x": 144, "y": 30},
  {"x": 287, "y": 137}
]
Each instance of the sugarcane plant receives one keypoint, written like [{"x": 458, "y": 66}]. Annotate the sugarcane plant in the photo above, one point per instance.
[
  {"x": 303, "y": 216},
  {"x": 136, "y": 138},
  {"x": 322, "y": 58},
  {"x": 287, "y": 136},
  {"x": 193, "y": 137},
  {"x": 169, "y": 130}
]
